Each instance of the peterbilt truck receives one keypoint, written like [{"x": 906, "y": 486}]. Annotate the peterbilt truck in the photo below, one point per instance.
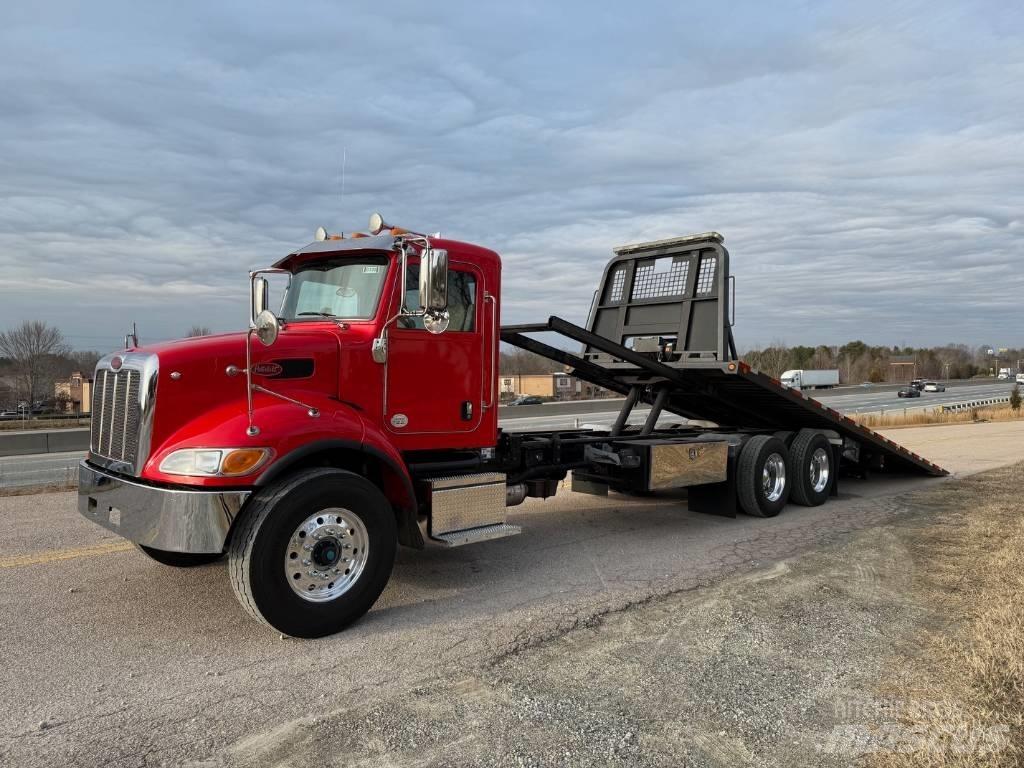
[{"x": 362, "y": 415}]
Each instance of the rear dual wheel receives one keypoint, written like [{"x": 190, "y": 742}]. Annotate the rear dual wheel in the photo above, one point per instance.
[
  {"x": 812, "y": 459},
  {"x": 769, "y": 474},
  {"x": 763, "y": 476}
]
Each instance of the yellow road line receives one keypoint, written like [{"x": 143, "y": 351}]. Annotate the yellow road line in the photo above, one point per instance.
[{"x": 54, "y": 555}]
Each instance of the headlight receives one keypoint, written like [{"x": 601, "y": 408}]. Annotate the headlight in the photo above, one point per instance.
[{"x": 214, "y": 462}]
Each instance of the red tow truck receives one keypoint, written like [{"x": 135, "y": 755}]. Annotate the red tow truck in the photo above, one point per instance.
[{"x": 364, "y": 415}]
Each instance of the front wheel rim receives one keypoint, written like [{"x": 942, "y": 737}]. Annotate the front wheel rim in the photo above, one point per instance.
[
  {"x": 773, "y": 477},
  {"x": 326, "y": 554},
  {"x": 819, "y": 470}
]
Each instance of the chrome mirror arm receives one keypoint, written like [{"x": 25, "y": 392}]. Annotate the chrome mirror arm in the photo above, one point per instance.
[{"x": 379, "y": 349}]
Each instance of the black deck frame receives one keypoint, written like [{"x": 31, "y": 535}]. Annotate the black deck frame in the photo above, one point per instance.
[{"x": 730, "y": 394}]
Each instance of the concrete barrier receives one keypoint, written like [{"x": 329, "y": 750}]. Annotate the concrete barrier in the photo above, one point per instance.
[
  {"x": 60, "y": 440},
  {"x": 23, "y": 443},
  {"x": 20, "y": 443}
]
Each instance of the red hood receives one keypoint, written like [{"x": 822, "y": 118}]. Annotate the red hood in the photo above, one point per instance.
[{"x": 193, "y": 378}]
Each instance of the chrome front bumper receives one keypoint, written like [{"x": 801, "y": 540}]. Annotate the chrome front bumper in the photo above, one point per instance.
[{"x": 162, "y": 518}]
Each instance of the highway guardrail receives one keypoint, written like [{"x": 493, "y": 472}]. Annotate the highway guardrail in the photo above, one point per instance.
[{"x": 969, "y": 404}]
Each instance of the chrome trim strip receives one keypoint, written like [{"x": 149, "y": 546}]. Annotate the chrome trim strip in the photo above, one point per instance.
[
  {"x": 110, "y": 436},
  {"x": 170, "y": 519},
  {"x": 495, "y": 342}
]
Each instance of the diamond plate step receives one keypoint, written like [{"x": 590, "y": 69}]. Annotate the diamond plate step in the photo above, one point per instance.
[{"x": 473, "y": 535}]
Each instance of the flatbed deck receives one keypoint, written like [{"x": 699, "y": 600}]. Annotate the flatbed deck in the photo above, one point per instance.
[{"x": 730, "y": 394}]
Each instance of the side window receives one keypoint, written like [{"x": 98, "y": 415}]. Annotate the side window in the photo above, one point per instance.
[{"x": 461, "y": 299}]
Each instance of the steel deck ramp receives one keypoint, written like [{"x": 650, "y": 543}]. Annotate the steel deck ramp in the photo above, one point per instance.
[{"x": 729, "y": 393}]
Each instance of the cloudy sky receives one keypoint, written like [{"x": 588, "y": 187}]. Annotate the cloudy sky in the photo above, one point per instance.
[{"x": 865, "y": 161}]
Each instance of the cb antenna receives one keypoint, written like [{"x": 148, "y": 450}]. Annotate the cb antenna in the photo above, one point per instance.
[{"x": 344, "y": 160}]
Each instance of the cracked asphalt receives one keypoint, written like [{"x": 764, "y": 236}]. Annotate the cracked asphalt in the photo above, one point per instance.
[{"x": 111, "y": 659}]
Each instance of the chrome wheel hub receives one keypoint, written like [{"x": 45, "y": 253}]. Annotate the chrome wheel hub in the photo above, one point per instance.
[
  {"x": 819, "y": 470},
  {"x": 326, "y": 554},
  {"x": 773, "y": 477}
]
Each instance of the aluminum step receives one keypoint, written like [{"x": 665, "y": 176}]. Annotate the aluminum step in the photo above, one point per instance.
[{"x": 474, "y": 535}]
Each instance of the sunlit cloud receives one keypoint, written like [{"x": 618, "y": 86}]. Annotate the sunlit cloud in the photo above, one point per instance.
[{"x": 863, "y": 161}]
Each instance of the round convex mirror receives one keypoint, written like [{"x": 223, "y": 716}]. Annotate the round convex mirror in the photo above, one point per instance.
[
  {"x": 436, "y": 322},
  {"x": 267, "y": 327}
]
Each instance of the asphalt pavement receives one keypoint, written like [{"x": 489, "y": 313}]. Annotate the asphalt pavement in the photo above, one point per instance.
[
  {"x": 39, "y": 469},
  {"x": 111, "y": 659}
]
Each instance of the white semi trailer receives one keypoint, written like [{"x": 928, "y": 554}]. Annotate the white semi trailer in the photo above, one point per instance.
[{"x": 800, "y": 379}]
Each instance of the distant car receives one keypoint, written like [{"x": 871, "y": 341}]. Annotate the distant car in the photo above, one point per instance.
[
  {"x": 1003, "y": 376},
  {"x": 932, "y": 386},
  {"x": 917, "y": 384},
  {"x": 910, "y": 391},
  {"x": 527, "y": 400},
  {"x": 866, "y": 384},
  {"x": 7, "y": 415}
]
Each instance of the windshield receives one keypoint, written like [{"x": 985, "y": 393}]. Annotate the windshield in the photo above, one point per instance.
[{"x": 348, "y": 289}]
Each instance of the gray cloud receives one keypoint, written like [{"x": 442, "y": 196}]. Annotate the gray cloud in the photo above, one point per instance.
[{"x": 864, "y": 162}]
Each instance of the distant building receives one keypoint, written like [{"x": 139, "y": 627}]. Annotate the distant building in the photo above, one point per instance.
[
  {"x": 902, "y": 369},
  {"x": 557, "y": 386},
  {"x": 75, "y": 394}
]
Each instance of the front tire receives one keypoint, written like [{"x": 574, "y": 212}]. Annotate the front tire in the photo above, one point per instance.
[
  {"x": 180, "y": 559},
  {"x": 763, "y": 476},
  {"x": 313, "y": 552}
]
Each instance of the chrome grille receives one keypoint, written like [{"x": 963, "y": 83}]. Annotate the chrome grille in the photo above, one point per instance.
[{"x": 116, "y": 414}]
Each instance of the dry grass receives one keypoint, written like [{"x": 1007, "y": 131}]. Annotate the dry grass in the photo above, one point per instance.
[
  {"x": 968, "y": 681},
  {"x": 919, "y": 418}
]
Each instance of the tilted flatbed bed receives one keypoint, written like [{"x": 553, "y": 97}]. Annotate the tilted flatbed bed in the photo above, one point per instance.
[{"x": 660, "y": 333}]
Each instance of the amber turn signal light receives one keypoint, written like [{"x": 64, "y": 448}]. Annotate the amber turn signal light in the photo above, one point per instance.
[{"x": 241, "y": 461}]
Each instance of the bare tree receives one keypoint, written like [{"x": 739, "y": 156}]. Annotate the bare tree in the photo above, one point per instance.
[
  {"x": 198, "y": 330},
  {"x": 85, "y": 361},
  {"x": 521, "y": 361},
  {"x": 32, "y": 348},
  {"x": 773, "y": 359}
]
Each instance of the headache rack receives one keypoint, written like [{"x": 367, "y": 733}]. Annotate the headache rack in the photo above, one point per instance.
[{"x": 660, "y": 332}]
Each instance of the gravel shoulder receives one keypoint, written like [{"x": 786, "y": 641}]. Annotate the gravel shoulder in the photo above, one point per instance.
[{"x": 789, "y": 665}]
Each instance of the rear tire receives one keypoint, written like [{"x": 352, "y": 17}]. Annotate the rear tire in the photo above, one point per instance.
[
  {"x": 813, "y": 473},
  {"x": 763, "y": 476},
  {"x": 313, "y": 552},
  {"x": 180, "y": 559}
]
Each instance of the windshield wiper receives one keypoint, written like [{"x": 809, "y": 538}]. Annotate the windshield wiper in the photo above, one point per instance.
[{"x": 320, "y": 314}]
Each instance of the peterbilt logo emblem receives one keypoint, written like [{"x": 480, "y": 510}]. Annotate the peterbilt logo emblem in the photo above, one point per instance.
[
  {"x": 696, "y": 452},
  {"x": 116, "y": 363},
  {"x": 267, "y": 369}
]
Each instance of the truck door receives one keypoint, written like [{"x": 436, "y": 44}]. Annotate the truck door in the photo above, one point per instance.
[{"x": 434, "y": 382}]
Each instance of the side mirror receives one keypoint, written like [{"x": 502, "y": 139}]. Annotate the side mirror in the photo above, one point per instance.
[
  {"x": 267, "y": 327},
  {"x": 259, "y": 297},
  {"x": 434, "y": 280}
]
